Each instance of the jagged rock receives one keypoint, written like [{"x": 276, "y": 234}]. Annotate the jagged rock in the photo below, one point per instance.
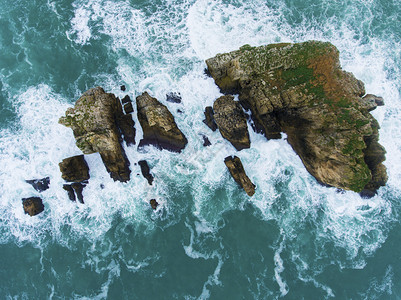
[
  {"x": 70, "y": 191},
  {"x": 122, "y": 88},
  {"x": 206, "y": 141},
  {"x": 96, "y": 121},
  {"x": 127, "y": 127},
  {"x": 128, "y": 108},
  {"x": 74, "y": 169},
  {"x": 301, "y": 90},
  {"x": 40, "y": 184},
  {"x": 237, "y": 171},
  {"x": 78, "y": 188},
  {"x": 158, "y": 124},
  {"x": 153, "y": 203},
  {"x": 173, "y": 97},
  {"x": 209, "y": 118},
  {"x": 231, "y": 121},
  {"x": 146, "y": 171},
  {"x": 126, "y": 100},
  {"x": 33, "y": 205}
]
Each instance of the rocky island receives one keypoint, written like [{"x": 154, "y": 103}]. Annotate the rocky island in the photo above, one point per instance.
[{"x": 301, "y": 90}]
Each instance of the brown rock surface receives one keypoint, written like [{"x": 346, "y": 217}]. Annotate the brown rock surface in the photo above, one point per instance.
[
  {"x": 158, "y": 124},
  {"x": 33, "y": 205},
  {"x": 237, "y": 171},
  {"x": 231, "y": 121}
]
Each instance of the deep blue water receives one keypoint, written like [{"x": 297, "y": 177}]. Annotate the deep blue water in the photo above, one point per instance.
[{"x": 294, "y": 239}]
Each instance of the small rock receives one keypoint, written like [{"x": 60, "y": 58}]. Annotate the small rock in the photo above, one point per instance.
[
  {"x": 206, "y": 141},
  {"x": 78, "y": 188},
  {"x": 237, "y": 171},
  {"x": 154, "y": 204},
  {"x": 33, "y": 205},
  {"x": 128, "y": 108},
  {"x": 173, "y": 97},
  {"x": 70, "y": 191},
  {"x": 40, "y": 184},
  {"x": 146, "y": 171},
  {"x": 179, "y": 111},
  {"x": 122, "y": 88},
  {"x": 74, "y": 169},
  {"x": 126, "y": 99}
]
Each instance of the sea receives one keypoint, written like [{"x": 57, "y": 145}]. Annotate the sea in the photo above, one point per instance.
[{"x": 294, "y": 239}]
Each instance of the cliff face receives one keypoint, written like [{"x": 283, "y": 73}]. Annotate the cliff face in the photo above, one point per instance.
[{"x": 301, "y": 90}]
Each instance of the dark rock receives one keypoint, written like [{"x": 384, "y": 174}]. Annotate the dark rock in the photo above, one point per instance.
[
  {"x": 33, "y": 205},
  {"x": 126, "y": 100},
  {"x": 179, "y": 111},
  {"x": 128, "y": 108},
  {"x": 74, "y": 169},
  {"x": 96, "y": 121},
  {"x": 40, "y": 184},
  {"x": 206, "y": 141},
  {"x": 231, "y": 121},
  {"x": 154, "y": 204},
  {"x": 173, "y": 97},
  {"x": 146, "y": 171},
  {"x": 70, "y": 191},
  {"x": 122, "y": 88},
  {"x": 78, "y": 188},
  {"x": 237, "y": 171},
  {"x": 158, "y": 124},
  {"x": 209, "y": 118},
  {"x": 127, "y": 127},
  {"x": 300, "y": 89}
]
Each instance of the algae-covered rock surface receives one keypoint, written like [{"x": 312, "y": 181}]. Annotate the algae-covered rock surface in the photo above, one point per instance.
[
  {"x": 94, "y": 121},
  {"x": 300, "y": 89}
]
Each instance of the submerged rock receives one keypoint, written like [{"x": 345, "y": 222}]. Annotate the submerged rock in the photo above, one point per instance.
[
  {"x": 231, "y": 121},
  {"x": 74, "y": 169},
  {"x": 206, "y": 141},
  {"x": 209, "y": 118},
  {"x": 40, "y": 184},
  {"x": 158, "y": 124},
  {"x": 153, "y": 203},
  {"x": 237, "y": 171},
  {"x": 96, "y": 121},
  {"x": 146, "y": 171},
  {"x": 300, "y": 89},
  {"x": 122, "y": 88},
  {"x": 33, "y": 205},
  {"x": 173, "y": 97}
]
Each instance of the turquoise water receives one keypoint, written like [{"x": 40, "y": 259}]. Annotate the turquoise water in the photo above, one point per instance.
[{"x": 294, "y": 239}]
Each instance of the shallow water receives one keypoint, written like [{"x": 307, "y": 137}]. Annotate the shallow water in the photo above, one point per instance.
[{"x": 294, "y": 239}]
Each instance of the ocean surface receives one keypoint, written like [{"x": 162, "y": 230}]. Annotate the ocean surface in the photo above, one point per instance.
[{"x": 294, "y": 239}]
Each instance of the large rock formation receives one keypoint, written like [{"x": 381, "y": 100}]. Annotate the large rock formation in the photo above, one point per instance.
[
  {"x": 231, "y": 121},
  {"x": 158, "y": 124},
  {"x": 98, "y": 121},
  {"x": 237, "y": 171},
  {"x": 300, "y": 89}
]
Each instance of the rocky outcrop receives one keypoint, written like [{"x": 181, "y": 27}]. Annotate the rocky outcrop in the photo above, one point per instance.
[
  {"x": 74, "y": 169},
  {"x": 158, "y": 124},
  {"x": 209, "y": 118},
  {"x": 97, "y": 121},
  {"x": 40, "y": 184},
  {"x": 33, "y": 205},
  {"x": 231, "y": 121},
  {"x": 146, "y": 171},
  {"x": 237, "y": 171},
  {"x": 301, "y": 90}
]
